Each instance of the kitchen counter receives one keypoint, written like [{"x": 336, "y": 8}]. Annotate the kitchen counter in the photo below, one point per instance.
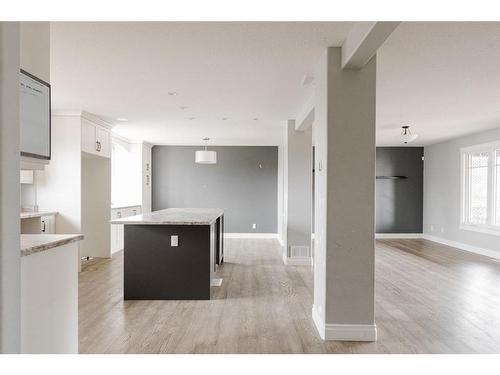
[
  {"x": 49, "y": 293},
  {"x": 172, "y": 254},
  {"x": 174, "y": 216},
  {"x": 30, "y": 215},
  {"x": 35, "y": 243}
]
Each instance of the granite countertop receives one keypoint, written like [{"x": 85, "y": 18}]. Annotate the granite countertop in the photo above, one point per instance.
[
  {"x": 35, "y": 243},
  {"x": 174, "y": 216},
  {"x": 31, "y": 214}
]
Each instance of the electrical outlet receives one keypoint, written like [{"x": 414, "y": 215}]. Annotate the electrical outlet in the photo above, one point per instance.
[
  {"x": 174, "y": 241},
  {"x": 442, "y": 230},
  {"x": 254, "y": 226}
]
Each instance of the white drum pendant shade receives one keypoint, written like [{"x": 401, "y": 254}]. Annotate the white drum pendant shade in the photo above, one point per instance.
[{"x": 205, "y": 157}]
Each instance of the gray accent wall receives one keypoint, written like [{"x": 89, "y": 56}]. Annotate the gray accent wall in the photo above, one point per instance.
[
  {"x": 442, "y": 192},
  {"x": 244, "y": 182},
  {"x": 399, "y": 203}
]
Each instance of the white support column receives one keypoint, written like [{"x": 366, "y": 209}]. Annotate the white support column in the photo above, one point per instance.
[
  {"x": 299, "y": 196},
  {"x": 344, "y": 199},
  {"x": 10, "y": 253}
]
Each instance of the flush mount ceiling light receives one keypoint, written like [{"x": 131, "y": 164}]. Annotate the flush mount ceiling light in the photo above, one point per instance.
[
  {"x": 255, "y": 118},
  {"x": 172, "y": 93},
  {"x": 122, "y": 119},
  {"x": 205, "y": 156},
  {"x": 406, "y": 135},
  {"x": 183, "y": 107}
]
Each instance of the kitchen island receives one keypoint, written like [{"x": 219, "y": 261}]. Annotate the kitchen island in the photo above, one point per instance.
[{"x": 172, "y": 254}]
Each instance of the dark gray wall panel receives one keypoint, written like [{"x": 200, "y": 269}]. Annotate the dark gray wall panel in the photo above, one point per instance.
[
  {"x": 399, "y": 203},
  {"x": 244, "y": 182}
]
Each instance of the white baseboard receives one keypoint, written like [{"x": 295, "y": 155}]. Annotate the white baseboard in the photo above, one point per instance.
[
  {"x": 398, "y": 235},
  {"x": 344, "y": 332},
  {"x": 296, "y": 261},
  {"x": 462, "y": 246},
  {"x": 252, "y": 235}
]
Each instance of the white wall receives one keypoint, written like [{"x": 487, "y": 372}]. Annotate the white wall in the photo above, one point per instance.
[
  {"x": 95, "y": 206},
  {"x": 442, "y": 192},
  {"x": 9, "y": 189},
  {"x": 59, "y": 185},
  {"x": 22, "y": 45},
  {"x": 35, "y": 49},
  {"x": 299, "y": 186},
  {"x": 129, "y": 184},
  {"x": 125, "y": 174},
  {"x": 281, "y": 185}
]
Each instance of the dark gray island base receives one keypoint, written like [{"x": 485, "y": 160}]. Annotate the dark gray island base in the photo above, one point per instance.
[{"x": 156, "y": 269}]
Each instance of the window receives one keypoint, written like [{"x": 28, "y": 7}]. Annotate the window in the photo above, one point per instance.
[{"x": 481, "y": 188}]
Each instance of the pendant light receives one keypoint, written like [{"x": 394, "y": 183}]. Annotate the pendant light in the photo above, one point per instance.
[
  {"x": 406, "y": 135},
  {"x": 205, "y": 156}
]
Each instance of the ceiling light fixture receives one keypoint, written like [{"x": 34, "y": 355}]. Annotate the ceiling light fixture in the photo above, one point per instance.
[
  {"x": 172, "y": 93},
  {"x": 224, "y": 119},
  {"x": 191, "y": 118},
  {"x": 255, "y": 118},
  {"x": 205, "y": 156},
  {"x": 406, "y": 135},
  {"x": 122, "y": 119},
  {"x": 183, "y": 107}
]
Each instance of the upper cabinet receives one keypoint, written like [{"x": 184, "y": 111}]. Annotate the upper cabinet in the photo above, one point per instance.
[{"x": 96, "y": 139}]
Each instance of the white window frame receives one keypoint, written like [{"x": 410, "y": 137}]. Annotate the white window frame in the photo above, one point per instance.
[{"x": 489, "y": 227}]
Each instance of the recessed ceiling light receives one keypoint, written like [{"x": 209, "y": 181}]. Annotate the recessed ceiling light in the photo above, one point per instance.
[
  {"x": 183, "y": 107},
  {"x": 224, "y": 118},
  {"x": 172, "y": 93},
  {"x": 191, "y": 118},
  {"x": 122, "y": 119},
  {"x": 255, "y": 118}
]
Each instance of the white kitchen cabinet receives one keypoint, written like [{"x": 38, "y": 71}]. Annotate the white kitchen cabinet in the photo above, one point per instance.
[
  {"x": 146, "y": 178},
  {"x": 26, "y": 177},
  {"x": 95, "y": 139},
  {"x": 77, "y": 182},
  {"x": 88, "y": 137},
  {"x": 117, "y": 230},
  {"x": 48, "y": 224},
  {"x": 103, "y": 140}
]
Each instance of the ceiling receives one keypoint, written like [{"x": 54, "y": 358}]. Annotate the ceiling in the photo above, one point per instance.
[
  {"x": 442, "y": 79},
  {"x": 240, "y": 82}
]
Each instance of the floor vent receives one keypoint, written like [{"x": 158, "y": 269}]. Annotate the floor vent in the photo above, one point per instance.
[{"x": 299, "y": 252}]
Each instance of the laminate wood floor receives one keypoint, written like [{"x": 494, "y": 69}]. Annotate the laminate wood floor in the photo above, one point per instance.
[{"x": 430, "y": 298}]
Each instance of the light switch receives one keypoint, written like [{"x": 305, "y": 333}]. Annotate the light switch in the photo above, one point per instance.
[{"x": 174, "y": 241}]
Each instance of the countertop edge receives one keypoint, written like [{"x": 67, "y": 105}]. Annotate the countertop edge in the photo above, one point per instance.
[
  {"x": 50, "y": 244},
  {"x": 32, "y": 215},
  {"x": 140, "y": 220},
  {"x": 161, "y": 222}
]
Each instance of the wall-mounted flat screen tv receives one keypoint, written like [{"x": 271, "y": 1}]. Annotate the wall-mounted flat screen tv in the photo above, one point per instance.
[{"x": 34, "y": 108}]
